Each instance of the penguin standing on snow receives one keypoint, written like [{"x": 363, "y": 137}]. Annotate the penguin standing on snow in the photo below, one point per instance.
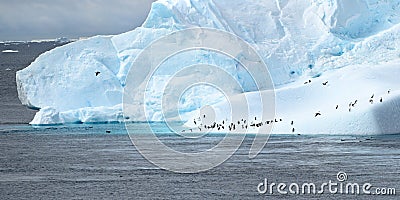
[{"x": 307, "y": 82}]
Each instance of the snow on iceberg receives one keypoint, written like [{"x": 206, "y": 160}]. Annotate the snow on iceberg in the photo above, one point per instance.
[
  {"x": 354, "y": 100},
  {"x": 298, "y": 40}
]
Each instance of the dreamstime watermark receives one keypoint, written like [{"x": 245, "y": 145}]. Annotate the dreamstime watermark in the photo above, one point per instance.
[
  {"x": 341, "y": 186},
  {"x": 147, "y": 74}
]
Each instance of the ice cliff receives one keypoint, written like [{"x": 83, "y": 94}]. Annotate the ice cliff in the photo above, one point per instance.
[{"x": 354, "y": 45}]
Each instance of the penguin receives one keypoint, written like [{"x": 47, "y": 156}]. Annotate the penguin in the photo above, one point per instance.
[
  {"x": 291, "y": 123},
  {"x": 317, "y": 114},
  {"x": 97, "y": 73},
  {"x": 325, "y": 83},
  {"x": 381, "y": 100},
  {"x": 195, "y": 122},
  {"x": 372, "y": 96},
  {"x": 307, "y": 82},
  {"x": 204, "y": 116},
  {"x": 371, "y": 101},
  {"x": 337, "y": 106},
  {"x": 293, "y": 130},
  {"x": 389, "y": 91}
]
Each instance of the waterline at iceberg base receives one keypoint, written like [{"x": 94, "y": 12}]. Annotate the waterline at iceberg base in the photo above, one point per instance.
[{"x": 323, "y": 56}]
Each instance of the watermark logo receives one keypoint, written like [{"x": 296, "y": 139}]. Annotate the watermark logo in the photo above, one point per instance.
[
  {"x": 167, "y": 74},
  {"x": 332, "y": 187},
  {"x": 341, "y": 176}
]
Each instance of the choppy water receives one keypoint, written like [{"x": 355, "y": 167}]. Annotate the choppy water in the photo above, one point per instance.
[{"x": 85, "y": 162}]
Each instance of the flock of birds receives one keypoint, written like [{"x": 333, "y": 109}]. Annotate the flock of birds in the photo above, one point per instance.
[
  {"x": 241, "y": 124},
  {"x": 244, "y": 124}
]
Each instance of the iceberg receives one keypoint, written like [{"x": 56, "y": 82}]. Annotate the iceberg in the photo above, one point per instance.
[
  {"x": 353, "y": 47},
  {"x": 10, "y": 51}
]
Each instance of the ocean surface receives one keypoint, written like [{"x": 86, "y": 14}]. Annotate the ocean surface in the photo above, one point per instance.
[{"x": 99, "y": 161}]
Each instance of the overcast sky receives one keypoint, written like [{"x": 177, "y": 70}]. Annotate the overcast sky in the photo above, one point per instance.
[{"x": 48, "y": 19}]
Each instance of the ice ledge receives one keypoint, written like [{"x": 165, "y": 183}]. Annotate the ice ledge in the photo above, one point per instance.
[{"x": 51, "y": 116}]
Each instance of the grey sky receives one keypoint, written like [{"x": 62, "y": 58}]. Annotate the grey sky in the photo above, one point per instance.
[{"x": 46, "y": 19}]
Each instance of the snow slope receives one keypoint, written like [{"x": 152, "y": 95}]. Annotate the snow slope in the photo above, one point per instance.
[
  {"x": 375, "y": 109},
  {"x": 298, "y": 40}
]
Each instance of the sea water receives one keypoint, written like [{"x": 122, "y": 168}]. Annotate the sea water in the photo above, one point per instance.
[{"x": 84, "y": 161}]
